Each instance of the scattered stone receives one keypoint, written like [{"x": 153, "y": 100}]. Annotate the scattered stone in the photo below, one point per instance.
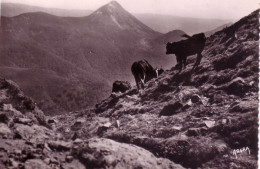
[
  {"x": 24, "y": 121},
  {"x": 51, "y": 121},
  {"x": 193, "y": 132},
  {"x": 78, "y": 141},
  {"x": 195, "y": 98},
  {"x": 3, "y": 117},
  {"x": 107, "y": 125},
  {"x": 54, "y": 161},
  {"x": 209, "y": 123},
  {"x": 117, "y": 123},
  {"x": 69, "y": 158},
  {"x": 237, "y": 87},
  {"x": 244, "y": 107},
  {"x": 77, "y": 125},
  {"x": 35, "y": 164},
  {"x": 47, "y": 160},
  {"x": 103, "y": 128},
  {"x": 224, "y": 121},
  {"x": 5, "y": 131},
  {"x": 60, "y": 145},
  {"x": 9, "y": 107},
  {"x": 171, "y": 109},
  {"x": 47, "y": 147},
  {"x": 177, "y": 128}
]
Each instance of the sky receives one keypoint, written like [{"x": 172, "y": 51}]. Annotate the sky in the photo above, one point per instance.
[{"x": 222, "y": 9}]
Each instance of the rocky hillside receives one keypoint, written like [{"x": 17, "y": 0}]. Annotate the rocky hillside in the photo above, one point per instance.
[
  {"x": 29, "y": 140},
  {"x": 192, "y": 119}
]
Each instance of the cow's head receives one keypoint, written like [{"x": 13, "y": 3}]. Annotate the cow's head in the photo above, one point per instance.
[
  {"x": 158, "y": 71},
  {"x": 170, "y": 48}
]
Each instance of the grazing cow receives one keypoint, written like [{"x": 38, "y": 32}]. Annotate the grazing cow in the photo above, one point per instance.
[
  {"x": 182, "y": 49},
  {"x": 144, "y": 72},
  {"x": 121, "y": 86}
]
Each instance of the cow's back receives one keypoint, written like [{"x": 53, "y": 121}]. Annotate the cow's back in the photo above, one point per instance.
[
  {"x": 143, "y": 68},
  {"x": 192, "y": 45},
  {"x": 199, "y": 37}
]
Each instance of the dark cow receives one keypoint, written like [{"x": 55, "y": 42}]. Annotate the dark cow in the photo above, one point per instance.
[
  {"x": 121, "y": 86},
  {"x": 144, "y": 72},
  {"x": 182, "y": 49}
]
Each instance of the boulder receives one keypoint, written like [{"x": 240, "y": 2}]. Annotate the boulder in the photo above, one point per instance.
[
  {"x": 121, "y": 86},
  {"x": 5, "y": 131},
  {"x": 106, "y": 153},
  {"x": 36, "y": 164},
  {"x": 171, "y": 109},
  {"x": 60, "y": 145},
  {"x": 237, "y": 87}
]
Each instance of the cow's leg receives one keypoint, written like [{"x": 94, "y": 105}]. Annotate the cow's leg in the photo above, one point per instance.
[
  {"x": 142, "y": 81},
  {"x": 180, "y": 68},
  {"x": 178, "y": 65},
  {"x": 137, "y": 82},
  {"x": 199, "y": 56},
  {"x": 184, "y": 61}
]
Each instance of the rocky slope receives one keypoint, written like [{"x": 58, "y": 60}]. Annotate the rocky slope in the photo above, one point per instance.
[
  {"x": 211, "y": 32},
  {"x": 192, "y": 119},
  {"x": 28, "y": 140}
]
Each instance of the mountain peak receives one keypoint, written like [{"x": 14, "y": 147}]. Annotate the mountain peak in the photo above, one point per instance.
[
  {"x": 114, "y": 4},
  {"x": 114, "y": 14},
  {"x": 110, "y": 8}
]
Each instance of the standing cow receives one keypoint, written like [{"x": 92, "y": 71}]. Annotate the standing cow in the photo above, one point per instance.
[
  {"x": 182, "y": 49},
  {"x": 144, "y": 72}
]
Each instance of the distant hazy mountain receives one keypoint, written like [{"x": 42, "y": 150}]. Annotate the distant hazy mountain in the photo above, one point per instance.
[
  {"x": 211, "y": 32},
  {"x": 166, "y": 23},
  {"x": 171, "y": 36},
  {"x": 13, "y": 9},
  {"x": 68, "y": 63},
  {"x": 160, "y": 23}
]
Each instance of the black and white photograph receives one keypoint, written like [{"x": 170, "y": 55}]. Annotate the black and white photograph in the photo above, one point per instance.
[{"x": 129, "y": 84}]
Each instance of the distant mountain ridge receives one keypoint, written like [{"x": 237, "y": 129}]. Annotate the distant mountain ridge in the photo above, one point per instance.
[
  {"x": 160, "y": 23},
  {"x": 211, "y": 32},
  {"x": 14, "y": 9},
  {"x": 166, "y": 23}
]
